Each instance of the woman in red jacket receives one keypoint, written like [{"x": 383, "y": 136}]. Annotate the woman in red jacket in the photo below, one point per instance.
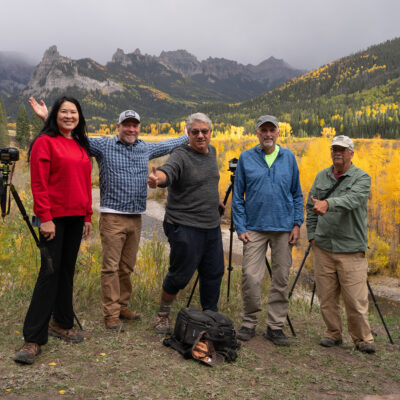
[{"x": 61, "y": 187}]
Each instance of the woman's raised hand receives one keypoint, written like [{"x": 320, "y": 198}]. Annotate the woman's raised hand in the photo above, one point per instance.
[{"x": 39, "y": 109}]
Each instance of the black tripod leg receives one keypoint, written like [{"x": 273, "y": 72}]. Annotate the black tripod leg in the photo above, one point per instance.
[
  {"x": 299, "y": 270},
  {"x": 287, "y": 316},
  {"x": 23, "y": 213},
  {"x": 193, "y": 289},
  {"x": 379, "y": 311},
  {"x": 230, "y": 268},
  {"x": 77, "y": 321},
  {"x": 229, "y": 190},
  {"x": 312, "y": 296}
]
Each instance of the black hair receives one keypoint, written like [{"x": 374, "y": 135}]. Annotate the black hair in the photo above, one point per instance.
[{"x": 50, "y": 128}]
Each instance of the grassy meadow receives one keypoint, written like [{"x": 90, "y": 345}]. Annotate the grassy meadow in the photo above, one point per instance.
[{"x": 134, "y": 364}]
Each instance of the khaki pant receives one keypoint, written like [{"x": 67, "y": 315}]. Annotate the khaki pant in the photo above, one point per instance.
[
  {"x": 344, "y": 273},
  {"x": 254, "y": 268},
  {"x": 120, "y": 236}
]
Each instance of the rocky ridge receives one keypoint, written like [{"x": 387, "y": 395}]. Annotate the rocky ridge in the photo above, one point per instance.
[
  {"x": 56, "y": 72},
  {"x": 167, "y": 86}
]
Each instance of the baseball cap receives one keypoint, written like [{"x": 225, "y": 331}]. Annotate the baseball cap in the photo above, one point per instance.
[
  {"x": 343, "y": 141},
  {"x": 128, "y": 114},
  {"x": 267, "y": 118}
]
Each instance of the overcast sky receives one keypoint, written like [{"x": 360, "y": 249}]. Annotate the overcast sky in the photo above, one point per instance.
[{"x": 305, "y": 33}]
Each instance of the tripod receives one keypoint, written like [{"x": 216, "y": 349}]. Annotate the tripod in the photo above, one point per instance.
[
  {"x": 5, "y": 177},
  {"x": 315, "y": 286},
  {"x": 229, "y": 190}
]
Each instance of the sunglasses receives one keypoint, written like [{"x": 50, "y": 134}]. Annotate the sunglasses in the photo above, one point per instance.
[{"x": 197, "y": 131}]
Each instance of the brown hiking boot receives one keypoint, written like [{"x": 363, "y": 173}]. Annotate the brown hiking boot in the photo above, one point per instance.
[
  {"x": 129, "y": 315},
  {"x": 68, "y": 335},
  {"x": 115, "y": 324},
  {"x": 27, "y": 353},
  {"x": 163, "y": 323}
]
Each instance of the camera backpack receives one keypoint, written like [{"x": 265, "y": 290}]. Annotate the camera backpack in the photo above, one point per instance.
[{"x": 193, "y": 326}]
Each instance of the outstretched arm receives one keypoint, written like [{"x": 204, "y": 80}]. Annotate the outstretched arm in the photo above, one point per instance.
[
  {"x": 156, "y": 178},
  {"x": 39, "y": 109}
]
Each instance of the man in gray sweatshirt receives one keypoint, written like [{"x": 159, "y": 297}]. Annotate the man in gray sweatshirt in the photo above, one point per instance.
[{"x": 192, "y": 219}]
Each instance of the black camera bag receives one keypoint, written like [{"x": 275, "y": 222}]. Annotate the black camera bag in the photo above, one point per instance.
[{"x": 219, "y": 329}]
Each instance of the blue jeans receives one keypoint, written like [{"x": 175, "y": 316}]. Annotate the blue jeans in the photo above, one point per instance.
[{"x": 193, "y": 249}]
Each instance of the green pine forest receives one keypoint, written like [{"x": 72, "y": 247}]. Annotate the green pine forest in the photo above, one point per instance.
[{"x": 357, "y": 95}]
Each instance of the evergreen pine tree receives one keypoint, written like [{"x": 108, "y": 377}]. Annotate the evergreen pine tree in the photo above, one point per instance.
[
  {"x": 4, "y": 137},
  {"x": 23, "y": 129},
  {"x": 37, "y": 125}
]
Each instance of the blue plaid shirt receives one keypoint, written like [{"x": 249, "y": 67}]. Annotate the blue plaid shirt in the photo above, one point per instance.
[{"x": 124, "y": 169}]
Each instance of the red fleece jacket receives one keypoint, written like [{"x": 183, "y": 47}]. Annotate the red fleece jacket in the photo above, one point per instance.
[{"x": 60, "y": 179}]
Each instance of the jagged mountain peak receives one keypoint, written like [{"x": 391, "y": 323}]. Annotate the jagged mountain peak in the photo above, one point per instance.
[
  {"x": 52, "y": 55},
  {"x": 120, "y": 57},
  {"x": 58, "y": 73}
]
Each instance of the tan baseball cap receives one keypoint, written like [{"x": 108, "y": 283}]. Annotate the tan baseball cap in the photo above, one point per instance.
[{"x": 343, "y": 141}]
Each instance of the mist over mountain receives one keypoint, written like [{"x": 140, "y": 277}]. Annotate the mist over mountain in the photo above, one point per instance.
[
  {"x": 167, "y": 86},
  {"x": 15, "y": 71}
]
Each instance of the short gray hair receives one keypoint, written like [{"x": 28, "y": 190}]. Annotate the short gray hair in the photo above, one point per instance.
[{"x": 200, "y": 117}]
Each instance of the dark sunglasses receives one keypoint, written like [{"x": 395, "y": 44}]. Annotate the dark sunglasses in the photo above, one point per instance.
[{"x": 197, "y": 131}]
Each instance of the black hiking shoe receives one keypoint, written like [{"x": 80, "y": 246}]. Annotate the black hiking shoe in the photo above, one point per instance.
[
  {"x": 246, "y": 334},
  {"x": 328, "y": 342},
  {"x": 277, "y": 337}
]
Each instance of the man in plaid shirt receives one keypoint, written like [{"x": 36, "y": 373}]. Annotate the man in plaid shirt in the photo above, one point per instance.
[{"x": 123, "y": 165}]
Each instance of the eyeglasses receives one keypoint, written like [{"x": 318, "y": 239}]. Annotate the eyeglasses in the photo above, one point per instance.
[
  {"x": 339, "y": 149},
  {"x": 197, "y": 131},
  {"x": 266, "y": 130}
]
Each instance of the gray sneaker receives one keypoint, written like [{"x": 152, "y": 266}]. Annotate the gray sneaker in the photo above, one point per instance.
[
  {"x": 277, "y": 337},
  {"x": 163, "y": 323},
  {"x": 245, "y": 333},
  {"x": 365, "y": 347}
]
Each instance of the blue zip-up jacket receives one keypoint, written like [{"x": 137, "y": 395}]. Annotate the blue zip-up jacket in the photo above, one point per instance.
[{"x": 267, "y": 199}]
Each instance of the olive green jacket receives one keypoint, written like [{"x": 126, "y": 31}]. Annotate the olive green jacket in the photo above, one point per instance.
[{"x": 343, "y": 229}]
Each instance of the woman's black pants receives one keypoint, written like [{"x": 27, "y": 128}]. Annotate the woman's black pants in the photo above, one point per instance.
[{"x": 54, "y": 286}]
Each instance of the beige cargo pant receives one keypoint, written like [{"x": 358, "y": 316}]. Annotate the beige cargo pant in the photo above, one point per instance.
[
  {"x": 254, "y": 267},
  {"x": 344, "y": 273},
  {"x": 120, "y": 236}
]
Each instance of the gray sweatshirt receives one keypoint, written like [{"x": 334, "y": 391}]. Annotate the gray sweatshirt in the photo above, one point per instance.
[{"x": 192, "y": 180}]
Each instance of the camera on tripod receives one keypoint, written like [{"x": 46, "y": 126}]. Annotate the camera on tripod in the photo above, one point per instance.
[
  {"x": 9, "y": 155},
  {"x": 232, "y": 164}
]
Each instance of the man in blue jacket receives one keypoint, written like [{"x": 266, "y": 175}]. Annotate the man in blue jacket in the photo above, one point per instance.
[{"x": 267, "y": 208}]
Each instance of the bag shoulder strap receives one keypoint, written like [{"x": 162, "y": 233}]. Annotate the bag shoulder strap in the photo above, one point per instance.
[
  {"x": 333, "y": 188},
  {"x": 186, "y": 351}
]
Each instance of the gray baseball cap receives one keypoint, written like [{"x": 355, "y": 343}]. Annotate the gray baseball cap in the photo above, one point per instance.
[
  {"x": 343, "y": 141},
  {"x": 267, "y": 118},
  {"x": 128, "y": 114}
]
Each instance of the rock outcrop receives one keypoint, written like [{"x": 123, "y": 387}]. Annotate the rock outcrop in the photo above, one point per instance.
[{"x": 56, "y": 72}]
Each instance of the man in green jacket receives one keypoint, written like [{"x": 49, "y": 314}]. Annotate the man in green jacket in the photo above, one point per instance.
[{"x": 337, "y": 231}]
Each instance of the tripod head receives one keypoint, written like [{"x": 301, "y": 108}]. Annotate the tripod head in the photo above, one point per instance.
[{"x": 232, "y": 165}]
